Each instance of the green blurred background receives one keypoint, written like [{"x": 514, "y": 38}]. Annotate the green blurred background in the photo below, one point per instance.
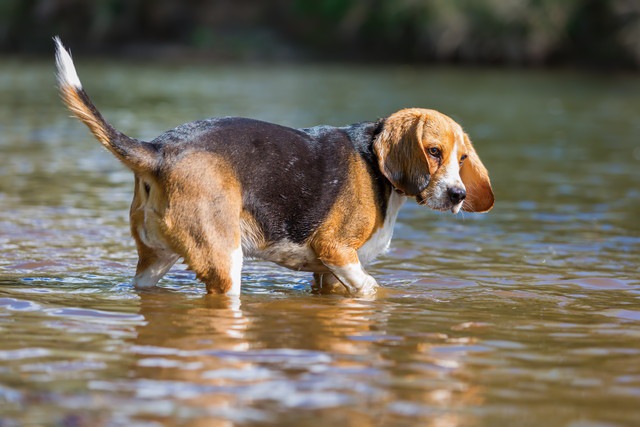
[{"x": 577, "y": 33}]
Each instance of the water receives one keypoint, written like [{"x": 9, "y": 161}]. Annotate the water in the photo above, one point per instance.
[{"x": 528, "y": 315}]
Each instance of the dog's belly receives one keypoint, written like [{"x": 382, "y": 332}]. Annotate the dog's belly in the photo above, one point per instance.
[{"x": 288, "y": 254}]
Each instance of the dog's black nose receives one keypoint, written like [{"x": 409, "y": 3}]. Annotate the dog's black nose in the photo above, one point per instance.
[{"x": 456, "y": 194}]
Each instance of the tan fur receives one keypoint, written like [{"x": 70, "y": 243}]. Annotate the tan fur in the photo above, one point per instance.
[
  {"x": 146, "y": 220},
  {"x": 252, "y": 237},
  {"x": 197, "y": 213},
  {"x": 71, "y": 97},
  {"x": 352, "y": 220},
  {"x": 146, "y": 254},
  {"x": 476, "y": 178},
  {"x": 400, "y": 153}
]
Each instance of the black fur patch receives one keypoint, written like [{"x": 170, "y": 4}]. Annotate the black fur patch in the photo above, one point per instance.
[{"x": 290, "y": 177}]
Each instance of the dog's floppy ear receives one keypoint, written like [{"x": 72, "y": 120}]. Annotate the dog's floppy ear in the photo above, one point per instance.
[
  {"x": 476, "y": 180},
  {"x": 400, "y": 154}
]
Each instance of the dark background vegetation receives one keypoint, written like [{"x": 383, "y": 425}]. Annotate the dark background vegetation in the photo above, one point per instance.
[{"x": 584, "y": 33}]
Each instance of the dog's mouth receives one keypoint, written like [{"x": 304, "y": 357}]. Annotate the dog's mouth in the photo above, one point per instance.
[{"x": 442, "y": 206}]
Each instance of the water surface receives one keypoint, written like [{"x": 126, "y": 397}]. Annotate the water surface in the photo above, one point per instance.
[{"x": 528, "y": 315}]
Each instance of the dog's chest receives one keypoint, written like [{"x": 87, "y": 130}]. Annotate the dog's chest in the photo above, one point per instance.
[{"x": 380, "y": 240}]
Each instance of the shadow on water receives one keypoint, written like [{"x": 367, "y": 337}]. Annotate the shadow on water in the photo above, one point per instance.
[{"x": 528, "y": 313}]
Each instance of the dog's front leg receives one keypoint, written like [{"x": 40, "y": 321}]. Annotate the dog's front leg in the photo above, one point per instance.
[
  {"x": 357, "y": 281},
  {"x": 346, "y": 267}
]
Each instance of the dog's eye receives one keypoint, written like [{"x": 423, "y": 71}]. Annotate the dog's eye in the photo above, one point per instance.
[
  {"x": 434, "y": 151},
  {"x": 464, "y": 156}
]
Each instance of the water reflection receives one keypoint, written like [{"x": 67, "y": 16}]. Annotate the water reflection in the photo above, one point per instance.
[
  {"x": 258, "y": 358},
  {"x": 234, "y": 359},
  {"x": 432, "y": 354}
]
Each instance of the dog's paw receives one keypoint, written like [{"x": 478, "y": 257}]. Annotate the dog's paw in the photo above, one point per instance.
[{"x": 368, "y": 288}]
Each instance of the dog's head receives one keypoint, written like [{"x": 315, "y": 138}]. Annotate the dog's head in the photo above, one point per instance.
[{"x": 427, "y": 155}]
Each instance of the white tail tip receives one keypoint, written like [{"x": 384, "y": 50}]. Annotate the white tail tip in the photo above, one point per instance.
[{"x": 67, "y": 75}]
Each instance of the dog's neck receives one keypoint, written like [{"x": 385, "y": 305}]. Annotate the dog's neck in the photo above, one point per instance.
[{"x": 363, "y": 135}]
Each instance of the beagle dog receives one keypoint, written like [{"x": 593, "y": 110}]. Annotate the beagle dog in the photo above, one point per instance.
[{"x": 322, "y": 199}]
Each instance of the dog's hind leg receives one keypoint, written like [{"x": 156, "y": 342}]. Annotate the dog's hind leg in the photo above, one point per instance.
[
  {"x": 200, "y": 218},
  {"x": 152, "y": 265},
  {"x": 326, "y": 283},
  {"x": 155, "y": 257},
  {"x": 202, "y": 222},
  {"x": 221, "y": 274},
  {"x": 211, "y": 249}
]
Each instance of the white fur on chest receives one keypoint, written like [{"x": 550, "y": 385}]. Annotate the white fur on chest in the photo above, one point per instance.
[{"x": 380, "y": 240}]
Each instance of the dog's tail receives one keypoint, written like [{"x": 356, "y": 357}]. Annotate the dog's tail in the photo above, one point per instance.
[{"x": 137, "y": 155}]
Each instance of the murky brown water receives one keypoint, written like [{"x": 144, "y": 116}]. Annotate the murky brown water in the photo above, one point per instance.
[{"x": 527, "y": 316}]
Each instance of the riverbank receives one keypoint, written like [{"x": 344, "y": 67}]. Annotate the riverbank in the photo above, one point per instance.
[{"x": 602, "y": 34}]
